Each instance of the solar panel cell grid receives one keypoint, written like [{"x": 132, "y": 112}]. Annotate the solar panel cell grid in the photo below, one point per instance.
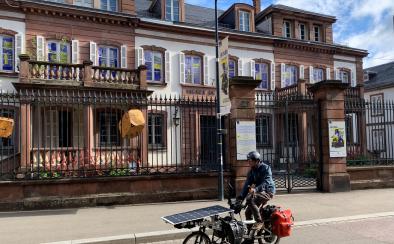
[{"x": 196, "y": 214}]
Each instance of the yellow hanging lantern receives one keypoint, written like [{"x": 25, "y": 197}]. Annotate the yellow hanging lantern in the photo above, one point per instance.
[
  {"x": 132, "y": 123},
  {"x": 6, "y": 127}
]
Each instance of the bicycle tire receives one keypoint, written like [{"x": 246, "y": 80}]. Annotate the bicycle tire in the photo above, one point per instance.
[{"x": 197, "y": 238}]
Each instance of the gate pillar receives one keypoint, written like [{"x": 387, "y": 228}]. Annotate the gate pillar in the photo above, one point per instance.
[
  {"x": 242, "y": 96},
  {"x": 330, "y": 95}
]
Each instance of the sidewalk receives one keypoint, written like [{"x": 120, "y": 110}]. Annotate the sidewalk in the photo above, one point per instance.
[{"x": 123, "y": 222}]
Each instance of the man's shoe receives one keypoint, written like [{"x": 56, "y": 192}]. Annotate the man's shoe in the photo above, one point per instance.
[{"x": 258, "y": 226}]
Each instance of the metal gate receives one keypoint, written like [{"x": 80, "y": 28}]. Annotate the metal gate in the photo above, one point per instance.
[{"x": 286, "y": 127}]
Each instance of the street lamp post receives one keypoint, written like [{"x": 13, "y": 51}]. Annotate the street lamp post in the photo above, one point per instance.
[{"x": 218, "y": 115}]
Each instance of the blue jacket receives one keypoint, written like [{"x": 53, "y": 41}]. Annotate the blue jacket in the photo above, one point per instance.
[{"x": 261, "y": 177}]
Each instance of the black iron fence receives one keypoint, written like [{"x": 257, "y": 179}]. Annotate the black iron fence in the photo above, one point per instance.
[
  {"x": 369, "y": 132},
  {"x": 75, "y": 133},
  {"x": 285, "y": 136}
]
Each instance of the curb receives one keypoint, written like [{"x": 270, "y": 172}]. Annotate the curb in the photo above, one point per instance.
[{"x": 177, "y": 234}]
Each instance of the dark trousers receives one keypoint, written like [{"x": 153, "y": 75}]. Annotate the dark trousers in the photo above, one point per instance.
[{"x": 254, "y": 201}]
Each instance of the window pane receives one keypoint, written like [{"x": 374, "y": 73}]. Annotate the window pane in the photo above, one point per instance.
[
  {"x": 231, "y": 66},
  {"x": 103, "y": 59},
  {"x": 169, "y": 10},
  {"x": 113, "y": 55},
  {"x": 8, "y": 53},
  {"x": 188, "y": 69},
  {"x": 52, "y": 51},
  {"x": 158, "y": 60},
  {"x": 317, "y": 74},
  {"x": 63, "y": 55},
  {"x": 196, "y": 70},
  {"x": 104, "y": 5},
  {"x": 113, "y": 5},
  {"x": 148, "y": 63},
  {"x": 176, "y": 10}
]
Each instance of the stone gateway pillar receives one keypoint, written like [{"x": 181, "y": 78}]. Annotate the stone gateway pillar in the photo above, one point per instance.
[
  {"x": 330, "y": 95},
  {"x": 242, "y": 96}
]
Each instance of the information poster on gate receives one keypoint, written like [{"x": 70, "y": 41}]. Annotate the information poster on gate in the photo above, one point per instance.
[
  {"x": 246, "y": 138},
  {"x": 337, "y": 138}
]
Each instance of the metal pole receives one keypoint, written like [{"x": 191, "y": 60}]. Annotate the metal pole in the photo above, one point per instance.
[{"x": 218, "y": 116}]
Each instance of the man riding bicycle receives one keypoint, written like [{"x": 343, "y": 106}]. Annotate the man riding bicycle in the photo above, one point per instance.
[{"x": 258, "y": 189}]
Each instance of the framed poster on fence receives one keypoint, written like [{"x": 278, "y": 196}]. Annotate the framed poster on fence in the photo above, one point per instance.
[
  {"x": 246, "y": 138},
  {"x": 377, "y": 104},
  {"x": 337, "y": 138},
  {"x": 378, "y": 140}
]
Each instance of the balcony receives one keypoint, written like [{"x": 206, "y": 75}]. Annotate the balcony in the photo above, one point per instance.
[{"x": 41, "y": 72}]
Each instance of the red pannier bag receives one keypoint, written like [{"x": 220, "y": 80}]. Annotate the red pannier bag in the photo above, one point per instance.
[{"x": 282, "y": 221}]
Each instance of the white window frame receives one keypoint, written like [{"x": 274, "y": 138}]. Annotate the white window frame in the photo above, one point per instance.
[
  {"x": 192, "y": 73},
  {"x": 244, "y": 17},
  {"x": 108, "y": 58},
  {"x": 287, "y": 29},
  {"x": 58, "y": 50},
  {"x": 235, "y": 67},
  {"x": 302, "y": 27},
  {"x": 153, "y": 53},
  {"x": 268, "y": 74},
  {"x": 316, "y": 27},
  {"x": 341, "y": 76},
  {"x": 13, "y": 54},
  {"x": 288, "y": 74},
  {"x": 109, "y": 5},
  {"x": 172, "y": 14}
]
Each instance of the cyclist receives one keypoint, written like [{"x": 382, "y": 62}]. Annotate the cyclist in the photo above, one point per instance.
[{"x": 258, "y": 188}]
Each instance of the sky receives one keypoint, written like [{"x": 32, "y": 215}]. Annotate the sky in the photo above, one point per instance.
[{"x": 364, "y": 24}]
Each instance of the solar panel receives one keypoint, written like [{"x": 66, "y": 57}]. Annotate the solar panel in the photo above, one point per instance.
[{"x": 196, "y": 214}]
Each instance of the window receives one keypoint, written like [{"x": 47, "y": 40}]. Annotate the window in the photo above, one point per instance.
[
  {"x": 292, "y": 128},
  {"x": 58, "y": 52},
  {"x": 232, "y": 68},
  {"x": 244, "y": 23},
  {"x": 344, "y": 76},
  {"x": 57, "y": 1},
  {"x": 291, "y": 75},
  {"x": 318, "y": 74},
  {"x": 109, "y": 5},
  {"x": 172, "y": 10},
  {"x": 156, "y": 129},
  {"x": 57, "y": 128},
  {"x": 303, "y": 32},
  {"x": 263, "y": 130},
  {"x": 261, "y": 70},
  {"x": 84, "y": 3},
  {"x": 287, "y": 29},
  {"x": 317, "y": 33},
  {"x": 108, "y": 57},
  {"x": 108, "y": 128},
  {"x": 193, "y": 69},
  {"x": 6, "y": 53},
  {"x": 154, "y": 64}
]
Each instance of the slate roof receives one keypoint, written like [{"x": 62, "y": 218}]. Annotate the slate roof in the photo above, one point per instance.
[
  {"x": 196, "y": 15},
  {"x": 380, "y": 76},
  {"x": 284, "y": 7}
]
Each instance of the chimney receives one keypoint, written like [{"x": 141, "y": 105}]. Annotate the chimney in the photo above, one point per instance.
[{"x": 257, "y": 6}]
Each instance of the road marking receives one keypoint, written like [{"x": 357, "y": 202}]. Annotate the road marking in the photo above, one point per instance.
[{"x": 341, "y": 219}]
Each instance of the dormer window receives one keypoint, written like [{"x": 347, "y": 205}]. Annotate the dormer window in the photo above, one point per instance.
[
  {"x": 244, "y": 21},
  {"x": 286, "y": 29},
  {"x": 303, "y": 31},
  {"x": 317, "y": 33},
  {"x": 109, "y": 5},
  {"x": 172, "y": 10}
]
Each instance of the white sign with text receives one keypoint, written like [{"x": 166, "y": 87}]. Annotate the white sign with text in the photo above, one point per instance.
[{"x": 246, "y": 138}]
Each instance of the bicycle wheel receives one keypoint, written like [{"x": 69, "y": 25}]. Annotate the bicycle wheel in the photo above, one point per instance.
[
  {"x": 197, "y": 238},
  {"x": 269, "y": 239}
]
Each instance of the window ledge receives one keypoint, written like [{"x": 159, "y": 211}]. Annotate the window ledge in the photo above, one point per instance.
[
  {"x": 262, "y": 89},
  {"x": 9, "y": 74},
  {"x": 197, "y": 85},
  {"x": 264, "y": 146},
  {"x": 162, "y": 84},
  {"x": 157, "y": 148}
]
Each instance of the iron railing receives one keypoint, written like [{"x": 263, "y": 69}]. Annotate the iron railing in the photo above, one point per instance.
[
  {"x": 370, "y": 132},
  {"x": 75, "y": 133}
]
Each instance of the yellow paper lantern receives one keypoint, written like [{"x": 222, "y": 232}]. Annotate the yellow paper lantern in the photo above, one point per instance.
[
  {"x": 6, "y": 127},
  {"x": 132, "y": 123}
]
